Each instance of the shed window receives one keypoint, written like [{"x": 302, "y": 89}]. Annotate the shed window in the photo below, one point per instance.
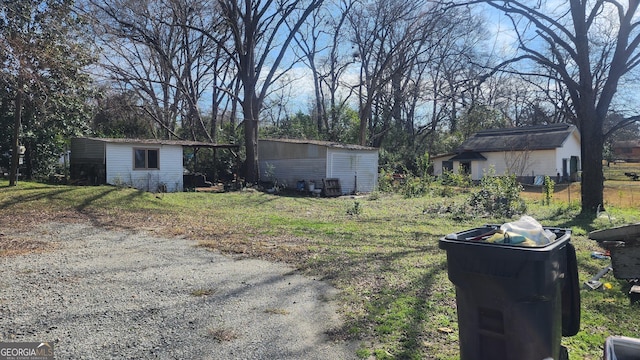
[{"x": 145, "y": 159}]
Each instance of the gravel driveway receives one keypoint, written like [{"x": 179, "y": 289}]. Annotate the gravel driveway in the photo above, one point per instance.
[{"x": 103, "y": 294}]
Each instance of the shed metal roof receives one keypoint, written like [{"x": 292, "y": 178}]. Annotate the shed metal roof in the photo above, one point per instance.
[
  {"x": 520, "y": 138},
  {"x": 187, "y": 143},
  {"x": 329, "y": 144}
]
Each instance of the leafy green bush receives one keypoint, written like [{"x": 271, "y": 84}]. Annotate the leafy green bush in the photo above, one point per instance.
[
  {"x": 449, "y": 178},
  {"x": 409, "y": 185},
  {"x": 415, "y": 186},
  {"x": 444, "y": 191},
  {"x": 386, "y": 181},
  {"x": 498, "y": 196}
]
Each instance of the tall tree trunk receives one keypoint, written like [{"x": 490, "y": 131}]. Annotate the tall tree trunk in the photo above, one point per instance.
[
  {"x": 592, "y": 180},
  {"x": 17, "y": 122},
  {"x": 251, "y": 110}
]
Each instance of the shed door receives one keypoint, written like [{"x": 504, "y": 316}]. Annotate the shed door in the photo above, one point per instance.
[{"x": 357, "y": 171}]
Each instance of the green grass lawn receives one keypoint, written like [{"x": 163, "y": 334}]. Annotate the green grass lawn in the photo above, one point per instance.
[{"x": 381, "y": 251}]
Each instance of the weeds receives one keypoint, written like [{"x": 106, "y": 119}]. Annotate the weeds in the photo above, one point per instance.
[
  {"x": 415, "y": 186},
  {"x": 355, "y": 209},
  {"x": 547, "y": 189},
  {"x": 460, "y": 179}
]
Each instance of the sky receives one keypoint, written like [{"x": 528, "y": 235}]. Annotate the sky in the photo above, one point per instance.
[{"x": 502, "y": 43}]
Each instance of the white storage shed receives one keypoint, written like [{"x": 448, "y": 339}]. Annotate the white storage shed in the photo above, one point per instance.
[
  {"x": 145, "y": 164},
  {"x": 289, "y": 162}
]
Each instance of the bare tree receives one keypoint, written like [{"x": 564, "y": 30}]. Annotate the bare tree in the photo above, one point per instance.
[
  {"x": 261, "y": 32},
  {"x": 389, "y": 36},
  {"x": 307, "y": 41},
  {"x": 588, "y": 48},
  {"x": 322, "y": 45},
  {"x": 448, "y": 67},
  {"x": 152, "y": 48}
]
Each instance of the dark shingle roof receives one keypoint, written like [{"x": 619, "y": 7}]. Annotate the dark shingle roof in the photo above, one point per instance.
[{"x": 520, "y": 138}]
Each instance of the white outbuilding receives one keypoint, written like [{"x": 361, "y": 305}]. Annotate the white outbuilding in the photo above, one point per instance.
[
  {"x": 145, "y": 164},
  {"x": 339, "y": 168}
]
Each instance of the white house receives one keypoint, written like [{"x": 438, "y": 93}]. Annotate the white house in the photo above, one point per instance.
[
  {"x": 528, "y": 152},
  {"x": 292, "y": 161},
  {"x": 145, "y": 164}
]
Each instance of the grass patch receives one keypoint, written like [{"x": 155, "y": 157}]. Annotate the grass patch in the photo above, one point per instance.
[{"x": 383, "y": 254}]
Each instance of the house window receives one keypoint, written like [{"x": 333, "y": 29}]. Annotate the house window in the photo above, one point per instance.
[
  {"x": 145, "y": 159},
  {"x": 447, "y": 165}
]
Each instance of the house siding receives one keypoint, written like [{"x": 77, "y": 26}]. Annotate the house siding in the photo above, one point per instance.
[
  {"x": 626, "y": 150},
  {"x": 437, "y": 162},
  {"x": 571, "y": 148},
  {"x": 288, "y": 163},
  {"x": 520, "y": 163},
  {"x": 523, "y": 163},
  {"x": 119, "y": 158},
  {"x": 357, "y": 170}
]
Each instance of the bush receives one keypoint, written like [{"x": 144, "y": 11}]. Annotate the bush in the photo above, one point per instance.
[
  {"x": 386, "y": 181},
  {"x": 408, "y": 185},
  {"x": 415, "y": 186},
  {"x": 498, "y": 196},
  {"x": 449, "y": 178}
]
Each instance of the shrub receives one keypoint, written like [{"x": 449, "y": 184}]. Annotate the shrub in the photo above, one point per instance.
[
  {"x": 444, "y": 191},
  {"x": 386, "y": 181},
  {"x": 449, "y": 178},
  {"x": 415, "y": 186},
  {"x": 498, "y": 196}
]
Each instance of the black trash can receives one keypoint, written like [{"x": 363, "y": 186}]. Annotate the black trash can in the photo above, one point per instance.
[{"x": 513, "y": 302}]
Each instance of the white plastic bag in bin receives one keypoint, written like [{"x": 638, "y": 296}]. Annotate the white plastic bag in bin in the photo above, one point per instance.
[{"x": 529, "y": 228}]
